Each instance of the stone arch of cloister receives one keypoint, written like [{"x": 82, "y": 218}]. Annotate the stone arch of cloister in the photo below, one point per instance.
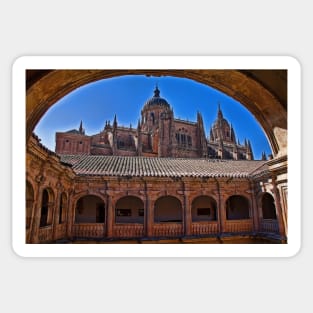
[{"x": 45, "y": 88}]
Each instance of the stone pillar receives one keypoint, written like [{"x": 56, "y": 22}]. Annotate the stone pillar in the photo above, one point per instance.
[
  {"x": 254, "y": 208},
  {"x": 149, "y": 217},
  {"x": 222, "y": 214},
  {"x": 37, "y": 213},
  {"x": 187, "y": 215},
  {"x": 110, "y": 216},
  {"x": 278, "y": 168},
  {"x": 55, "y": 216},
  {"x": 70, "y": 214},
  {"x": 280, "y": 217}
]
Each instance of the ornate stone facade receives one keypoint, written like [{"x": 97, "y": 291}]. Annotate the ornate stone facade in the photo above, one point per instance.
[
  {"x": 158, "y": 134},
  {"x": 116, "y": 198},
  {"x": 64, "y": 203}
]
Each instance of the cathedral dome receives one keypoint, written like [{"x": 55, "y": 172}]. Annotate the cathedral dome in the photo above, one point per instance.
[{"x": 156, "y": 100}]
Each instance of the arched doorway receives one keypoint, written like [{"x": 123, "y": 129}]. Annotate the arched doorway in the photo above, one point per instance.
[
  {"x": 47, "y": 204},
  {"x": 268, "y": 206},
  {"x": 168, "y": 209},
  {"x": 90, "y": 209},
  {"x": 237, "y": 208},
  {"x": 203, "y": 208},
  {"x": 29, "y": 203},
  {"x": 129, "y": 209}
]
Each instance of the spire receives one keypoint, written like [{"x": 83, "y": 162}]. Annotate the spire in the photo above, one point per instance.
[
  {"x": 81, "y": 130},
  {"x": 211, "y": 135},
  {"x": 156, "y": 91},
  {"x": 263, "y": 156},
  {"x": 232, "y": 134},
  {"x": 115, "y": 122},
  {"x": 219, "y": 111},
  {"x": 138, "y": 125}
]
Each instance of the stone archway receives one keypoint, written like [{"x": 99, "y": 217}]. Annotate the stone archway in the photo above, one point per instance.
[
  {"x": 268, "y": 206},
  {"x": 237, "y": 208},
  {"x": 203, "y": 208},
  {"x": 269, "y": 107},
  {"x": 89, "y": 209},
  {"x": 129, "y": 209},
  {"x": 168, "y": 209},
  {"x": 47, "y": 206}
]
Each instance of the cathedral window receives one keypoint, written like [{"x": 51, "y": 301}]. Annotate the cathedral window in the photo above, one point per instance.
[
  {"x": 183, "y": 139},
  {"x": 177, "y": 138},
  {"x": 152, "y": 118},
  {"x": 189, "y": 141}
]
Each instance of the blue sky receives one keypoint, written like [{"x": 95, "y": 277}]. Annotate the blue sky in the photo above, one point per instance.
[{"x": 125, "y": 96}]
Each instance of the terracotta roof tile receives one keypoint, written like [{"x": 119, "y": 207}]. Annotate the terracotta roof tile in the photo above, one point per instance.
[{"x": 161, "y": 167}]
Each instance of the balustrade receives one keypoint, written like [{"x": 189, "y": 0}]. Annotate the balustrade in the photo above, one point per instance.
[
  {"x": 239, "y": 226},
  {"x": 204, "y": 228},
  {"x": 128, "y": 230},
  {"x": 88, "y": 230},
  {"x": 167, "y": 230},
  {"x": 269, "y": 226},
  {"x": 45, "y": 233}
]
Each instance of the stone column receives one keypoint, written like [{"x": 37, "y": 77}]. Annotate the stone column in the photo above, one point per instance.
[
  {"x": 149, "y": 217},
  {"x": 279, "y": 211},
  {"x": 254, "y": 209},
  {"x": 187, "y": 215},
  {"x": 222, "y": 214},
  {"x": 37, "y": 213},
  {"x": 70, "y": 214},
  {"x": 278, "y": 168},
  {"x": 110, "y": 216},
  {"x": 55, "y": 216}
]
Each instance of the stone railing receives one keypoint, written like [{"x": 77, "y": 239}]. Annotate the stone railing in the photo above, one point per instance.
[
  {"x": 167, "y": 230},
  {"x": 60, "y": 231},
  {"x": 269, "y": 226},
  {"x": 203, "y": 228},
  {"x": 239, "y": 226},
  {"x": 45, "y": 233},
  {"x": 88, "y": 230},
  {"x": 128, "y": 230}
]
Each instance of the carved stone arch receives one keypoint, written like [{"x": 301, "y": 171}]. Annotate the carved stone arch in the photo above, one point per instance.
[
  {"x": 267, "y": 104},
  {"x": 168, "y": 209},
  {"x": 129, "y": 209},
  {"x": 204, "y": 208},
  {"x": 238, "y": 207},
  {"x": 268, "y": 206},
  {"x": 47, "y": 206},
  {"x": 89, "y": 208}
]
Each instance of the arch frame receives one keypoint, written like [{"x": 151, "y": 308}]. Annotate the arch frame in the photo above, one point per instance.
[
  {"x": 215, "y": 214},
  {"x": 249, "y": 201},
  {"x": 266, "y": 106},
  {"x": 82, "y": 194},
  {"x": 167, "y": 196}
]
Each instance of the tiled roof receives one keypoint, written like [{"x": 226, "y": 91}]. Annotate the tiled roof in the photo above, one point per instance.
[{"x": 160, "y": 167}]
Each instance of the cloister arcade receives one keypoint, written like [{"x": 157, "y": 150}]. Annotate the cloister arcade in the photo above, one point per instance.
[{"x": 62, "y": 205}]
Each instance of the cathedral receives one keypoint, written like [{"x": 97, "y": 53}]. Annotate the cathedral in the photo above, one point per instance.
[{"x": 158, "y": 134}]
